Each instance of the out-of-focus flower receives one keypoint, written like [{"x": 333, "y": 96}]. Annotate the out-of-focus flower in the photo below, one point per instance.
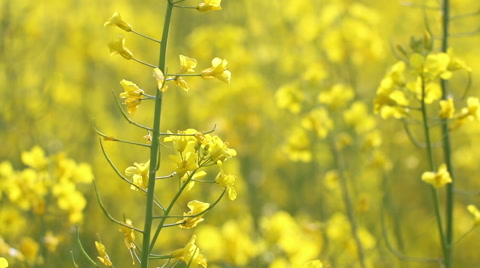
[
  {"x": 196, "y": 207},
  {"x": 476, "y": 214},
  {"x": 3, "y": 263},
  {"x": 218, "y": 70},
  {"x": 437, "y": 179},
  {"x": 117, "y": 46},
  {"x": 209, "y": 5},
  {"x": 116, "y": 20}
]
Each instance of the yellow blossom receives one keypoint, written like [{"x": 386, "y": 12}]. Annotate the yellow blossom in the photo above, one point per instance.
[
  {"x": 116, "y": 20},
  {"x": 209, "y": 5},
  {"x": 139, "y": 173},
  {"x": 181, "y": 141},
  {"x": 3, "y": 263},
  {"x": 160, "y": 77},
  {"x": 103, "y": 258},
  {"x": 476, "y": 214},
  {"x": 117, "y": 46},
  {"x": 289, "y": 97},
  {"x": 129, "y": 234},
  {"x": 196, "y": 208},
  {"x": 337, "y": 97},
  {"x": 35, "y": 158},
  {"x": 218, "y": 70},
  {"x": 190, "y": 254},
  {"x": 219, "y": 150},
  {"x": 472, "y": 110},
  {"x": 133, "y": 95},
  {"x": 447, "y": 109},
  {"x": 226, "y": 181},
  {"x": 187, "y": 65},
  {"x": 437, "y": 179},
  {"x": 185, "y": 163}
]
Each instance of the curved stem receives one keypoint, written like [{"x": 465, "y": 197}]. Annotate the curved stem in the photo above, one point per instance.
[{"x": 155, "y": 147}]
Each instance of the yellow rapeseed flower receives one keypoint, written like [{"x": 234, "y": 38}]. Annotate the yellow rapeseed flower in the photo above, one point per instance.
[
  {"x": 447, "y": 109},
  {"x": 139, "y": 174},
  {"x": 218, "y": 70},
  {"x": 196, "y": 207},
  {"x": 437, "y": 179},
  {"x": 190, "y": 254},
  {"x": 117, "y": 46},
  {"x": 133, "y": 95},
  {"x": 209, "y": 5},
  {"x": 103, "y": 258},
  {"x": 116, "y": 20}
]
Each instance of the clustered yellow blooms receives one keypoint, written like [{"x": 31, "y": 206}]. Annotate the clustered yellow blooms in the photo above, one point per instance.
[
  {"x": 437, "y": 179},
  {"x": 417, "y": 76},
  {"x": 47, "y": 190},
  {"x": 196, "y": 150}
]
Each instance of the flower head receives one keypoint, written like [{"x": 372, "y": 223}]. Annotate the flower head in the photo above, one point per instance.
[
  {"x": 209, "y": 5},
  {"x": 117, "y": 46},
  {"x": 437, "y": 179},
  {"x": 447, "y": 109},
  {"x": 133, "y": 95},
  {"x": 160, "y": 77},
  {"x": 218, "y": 70},
  {"x": 116, "y": 20},
  {"x": 139, "y": 173},
  {"x": 194, "y": 216},
  {"x": 190, "y": 254},
  {"x": 226, "y": 181},
  {"x": 103, "y": 258}
]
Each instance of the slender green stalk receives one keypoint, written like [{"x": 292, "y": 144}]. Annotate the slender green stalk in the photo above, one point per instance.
[
  {"x": 431, "y": 162},
  {"x": 347, "y": 200},
  {"x": 155, "y": 147},
  {"x": 447, "y": 148}
]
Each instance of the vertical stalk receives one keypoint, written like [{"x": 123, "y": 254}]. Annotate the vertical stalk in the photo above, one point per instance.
[
  {"x": 155, "y": 148},
  {"x": 431, "y": 162},
  {"x": 347, "y": 200},
  {"x": 447, "y": 145}
]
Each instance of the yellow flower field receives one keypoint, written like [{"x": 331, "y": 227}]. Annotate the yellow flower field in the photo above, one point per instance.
[{"x": 238, "y": 133}]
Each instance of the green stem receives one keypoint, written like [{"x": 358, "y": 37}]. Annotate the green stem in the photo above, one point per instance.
[
  {"x": 431, "y": 162},
  {"x": 155, "y": 147},
  {"x": 447, "y": 146},
  {"x": 347, "y": 200}
]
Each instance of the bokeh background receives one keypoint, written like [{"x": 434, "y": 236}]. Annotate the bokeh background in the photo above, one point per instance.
[{"x": 297, "y": 68}]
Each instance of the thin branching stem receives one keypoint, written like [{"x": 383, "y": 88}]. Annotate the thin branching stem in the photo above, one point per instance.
[
  {"x": 447, "y": 147},
  {"x": 148, "y": 244},
  {"x": 146, "y": 36},
  {"x": 431, "y": 162}
]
